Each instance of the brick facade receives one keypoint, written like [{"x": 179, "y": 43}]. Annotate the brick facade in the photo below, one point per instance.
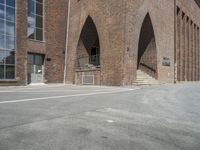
[{"x": 173, "y": 34}]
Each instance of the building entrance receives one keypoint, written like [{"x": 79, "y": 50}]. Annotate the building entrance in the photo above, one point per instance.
[{"x": 35, "y": 68}]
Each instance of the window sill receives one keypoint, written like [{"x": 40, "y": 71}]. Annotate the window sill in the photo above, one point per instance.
[
  {"x": 88, "y": 70},
  {"x": 8, "y": 81},
  {"x": 38, "y": 41}
]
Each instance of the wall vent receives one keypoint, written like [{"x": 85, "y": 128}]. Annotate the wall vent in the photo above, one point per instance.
[{"x": 88, "y": 79}]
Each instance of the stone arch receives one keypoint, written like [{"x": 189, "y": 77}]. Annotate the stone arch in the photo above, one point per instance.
[{"x": 147, "y": 51}]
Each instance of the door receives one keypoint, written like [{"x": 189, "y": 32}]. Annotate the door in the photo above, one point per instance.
[{"x": 35, "y": 68}]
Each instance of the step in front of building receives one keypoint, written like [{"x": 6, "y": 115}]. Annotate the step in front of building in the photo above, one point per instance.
[{"x": 144, "y": 79}]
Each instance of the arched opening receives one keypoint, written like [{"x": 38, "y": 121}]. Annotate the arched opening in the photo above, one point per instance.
[
  {"x": 88, "y": 49},
  {"x": 147, "y": 53},
  {"x": 88, "y": 69}
]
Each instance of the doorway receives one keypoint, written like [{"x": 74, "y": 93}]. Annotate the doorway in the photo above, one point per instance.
[{"x": 35, "y": 68}]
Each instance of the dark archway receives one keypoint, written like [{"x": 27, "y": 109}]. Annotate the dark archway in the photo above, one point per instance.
[
  {"x": 88, "y": 49},
  {"x": 147, "y": 53}
]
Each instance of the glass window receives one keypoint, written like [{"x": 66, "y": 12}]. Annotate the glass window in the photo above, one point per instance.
[
  {"x": 10, "y": 72},
  {"x": 10, "y": 57},
  {"x": 10, "y": 28},
  {"x": 2, "y": 42},
  {"x": 2, "y": 56},
  {"x": 10, "y": 3},
  {"x": 2, "y": 11},
  {"x": 39, "y": 34},
  {"x": 10, "y": 14},
  {"x": 39, "y": 10},
  {"x": 7, "y": 39},
  {"x": 31, "y": 33},
  {"x": 10, "y": 42},
  {"x": 2, "y": 1},
  {"x": 1, "y": 71},
  {"x": 30, "y": 59},
  {"x": 39, "y": 60},
  {"x": 2, "y": 26},
  {"x": 40, "y": 1},
  {"x": 31, "y": 7},
  {"x": 35, "y": 19},
  {"x": 39, "y": 23}
]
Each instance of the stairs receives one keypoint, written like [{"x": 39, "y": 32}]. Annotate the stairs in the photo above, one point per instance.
[{"x": 144, "y": 79}]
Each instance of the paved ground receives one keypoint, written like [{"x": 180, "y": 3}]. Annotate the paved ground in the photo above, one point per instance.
[{"x": 100, "y": 118}]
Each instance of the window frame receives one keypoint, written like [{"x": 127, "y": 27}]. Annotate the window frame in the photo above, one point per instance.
[
  {"x": 35, "y": 23},
  {"x": 5, "y": 50}
]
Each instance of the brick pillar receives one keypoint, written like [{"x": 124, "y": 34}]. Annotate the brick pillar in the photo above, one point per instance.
[
  {"x": 178, "y": 35},
  {"x": 193, "y": 53},
  {"x": 191, "y": 50},
  {"x": 196, "y": 55},
  {"x": 198, "y": 49},
  {"x": 187, "y": 49},
  {"x": 182, "y": 47}
]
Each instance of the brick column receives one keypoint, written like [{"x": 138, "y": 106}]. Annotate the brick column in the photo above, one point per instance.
[
  {"x": 182, "y": 47},
  {"x": 198, "y": 49},
  {"x": 187, "y": 49},
  {"x": 191, "y": 52},
  {"x": 178, "y": 35}
]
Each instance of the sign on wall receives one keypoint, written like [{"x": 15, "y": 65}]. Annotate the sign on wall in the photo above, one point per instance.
[{"x": 166, "y": 61}]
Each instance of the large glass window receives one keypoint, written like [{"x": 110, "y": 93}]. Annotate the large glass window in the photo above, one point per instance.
[
  {"x": 35, "y": 19},
  {"x": 7, "y": 39}
]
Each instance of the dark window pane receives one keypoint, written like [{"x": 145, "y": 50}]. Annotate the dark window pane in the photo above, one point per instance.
[
  {"x": 2, "y": 46},
  {"x": 39, "y": 9},
  {"x": 10, "y": 3},
  {"x": 1, "y": 72},
  {"x": 39, "y": 34},
  {"x": 1, "y": 11},
  {"x": 31, "y": 33},
  {"x": 39, "y": 22},
  {"x": 10, "y": 28},
  {"x": 2, "y": 29},
  {"x": 2, "y": 57},
  {"x": 2, "y": 1},
  {"x": 10, "y": 43},
  {"x": 31, "y": 7},
  {"x": 39, "y": 60},
  {"x": 30, "y": 59},
  {"x": 40, "y": 1},
  {"x": 10, "y": 57},
  {"x": 10, "y": 72},
  {"x": 10, "y": 14}
]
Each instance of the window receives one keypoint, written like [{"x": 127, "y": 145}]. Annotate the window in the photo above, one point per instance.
[
  {"x": 35, "y": 19},
  {"x": 94, "y": 56},
  {"x": 7, "y": 39}
]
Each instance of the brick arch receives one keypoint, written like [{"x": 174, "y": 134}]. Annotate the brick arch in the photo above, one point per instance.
[
  {"x": 88, "y": 40},
  {"x": 147, "y": 50}
]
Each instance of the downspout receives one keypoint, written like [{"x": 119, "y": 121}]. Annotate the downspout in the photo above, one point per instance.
[
  {"x": 175, "y": 59},
  {"x": 67, "y": 38}
]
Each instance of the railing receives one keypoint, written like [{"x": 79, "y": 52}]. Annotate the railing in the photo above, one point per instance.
[
  {"x": 148, "y": 67},
  {"x": 88, "y": 62}
]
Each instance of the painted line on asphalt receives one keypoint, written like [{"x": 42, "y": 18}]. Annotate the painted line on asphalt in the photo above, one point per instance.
[
  {"x": 64, "y": 96},
  {"x": 52, "y": 90}
]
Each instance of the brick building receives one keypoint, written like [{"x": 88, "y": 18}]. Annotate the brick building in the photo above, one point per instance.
[{"x": 102, "y": 42}]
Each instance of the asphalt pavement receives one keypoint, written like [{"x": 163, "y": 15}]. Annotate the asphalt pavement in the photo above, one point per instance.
[{"x": 67, "y": 117}]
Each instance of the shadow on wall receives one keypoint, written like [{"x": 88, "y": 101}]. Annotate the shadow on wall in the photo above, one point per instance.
[{"x": 147, "y": 53}]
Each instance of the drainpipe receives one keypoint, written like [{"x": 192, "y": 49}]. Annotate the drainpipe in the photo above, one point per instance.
[
  {"x": 175, "y": 59},
  {"x": 67, "y": 38}
]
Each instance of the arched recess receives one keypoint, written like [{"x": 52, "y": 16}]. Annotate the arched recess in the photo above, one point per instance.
[
  {"x": 88, "y": 48},
  {"x": 147, "y": 52}
]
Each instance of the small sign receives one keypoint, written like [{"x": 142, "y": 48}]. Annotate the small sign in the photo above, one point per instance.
[{"x": 166, "y": 61}]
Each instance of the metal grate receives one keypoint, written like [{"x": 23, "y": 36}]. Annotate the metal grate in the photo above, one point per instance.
[{"x": 88, "y": 79}]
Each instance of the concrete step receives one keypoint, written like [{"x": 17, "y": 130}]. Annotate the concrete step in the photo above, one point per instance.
[{"x": 144, "y": 79}]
